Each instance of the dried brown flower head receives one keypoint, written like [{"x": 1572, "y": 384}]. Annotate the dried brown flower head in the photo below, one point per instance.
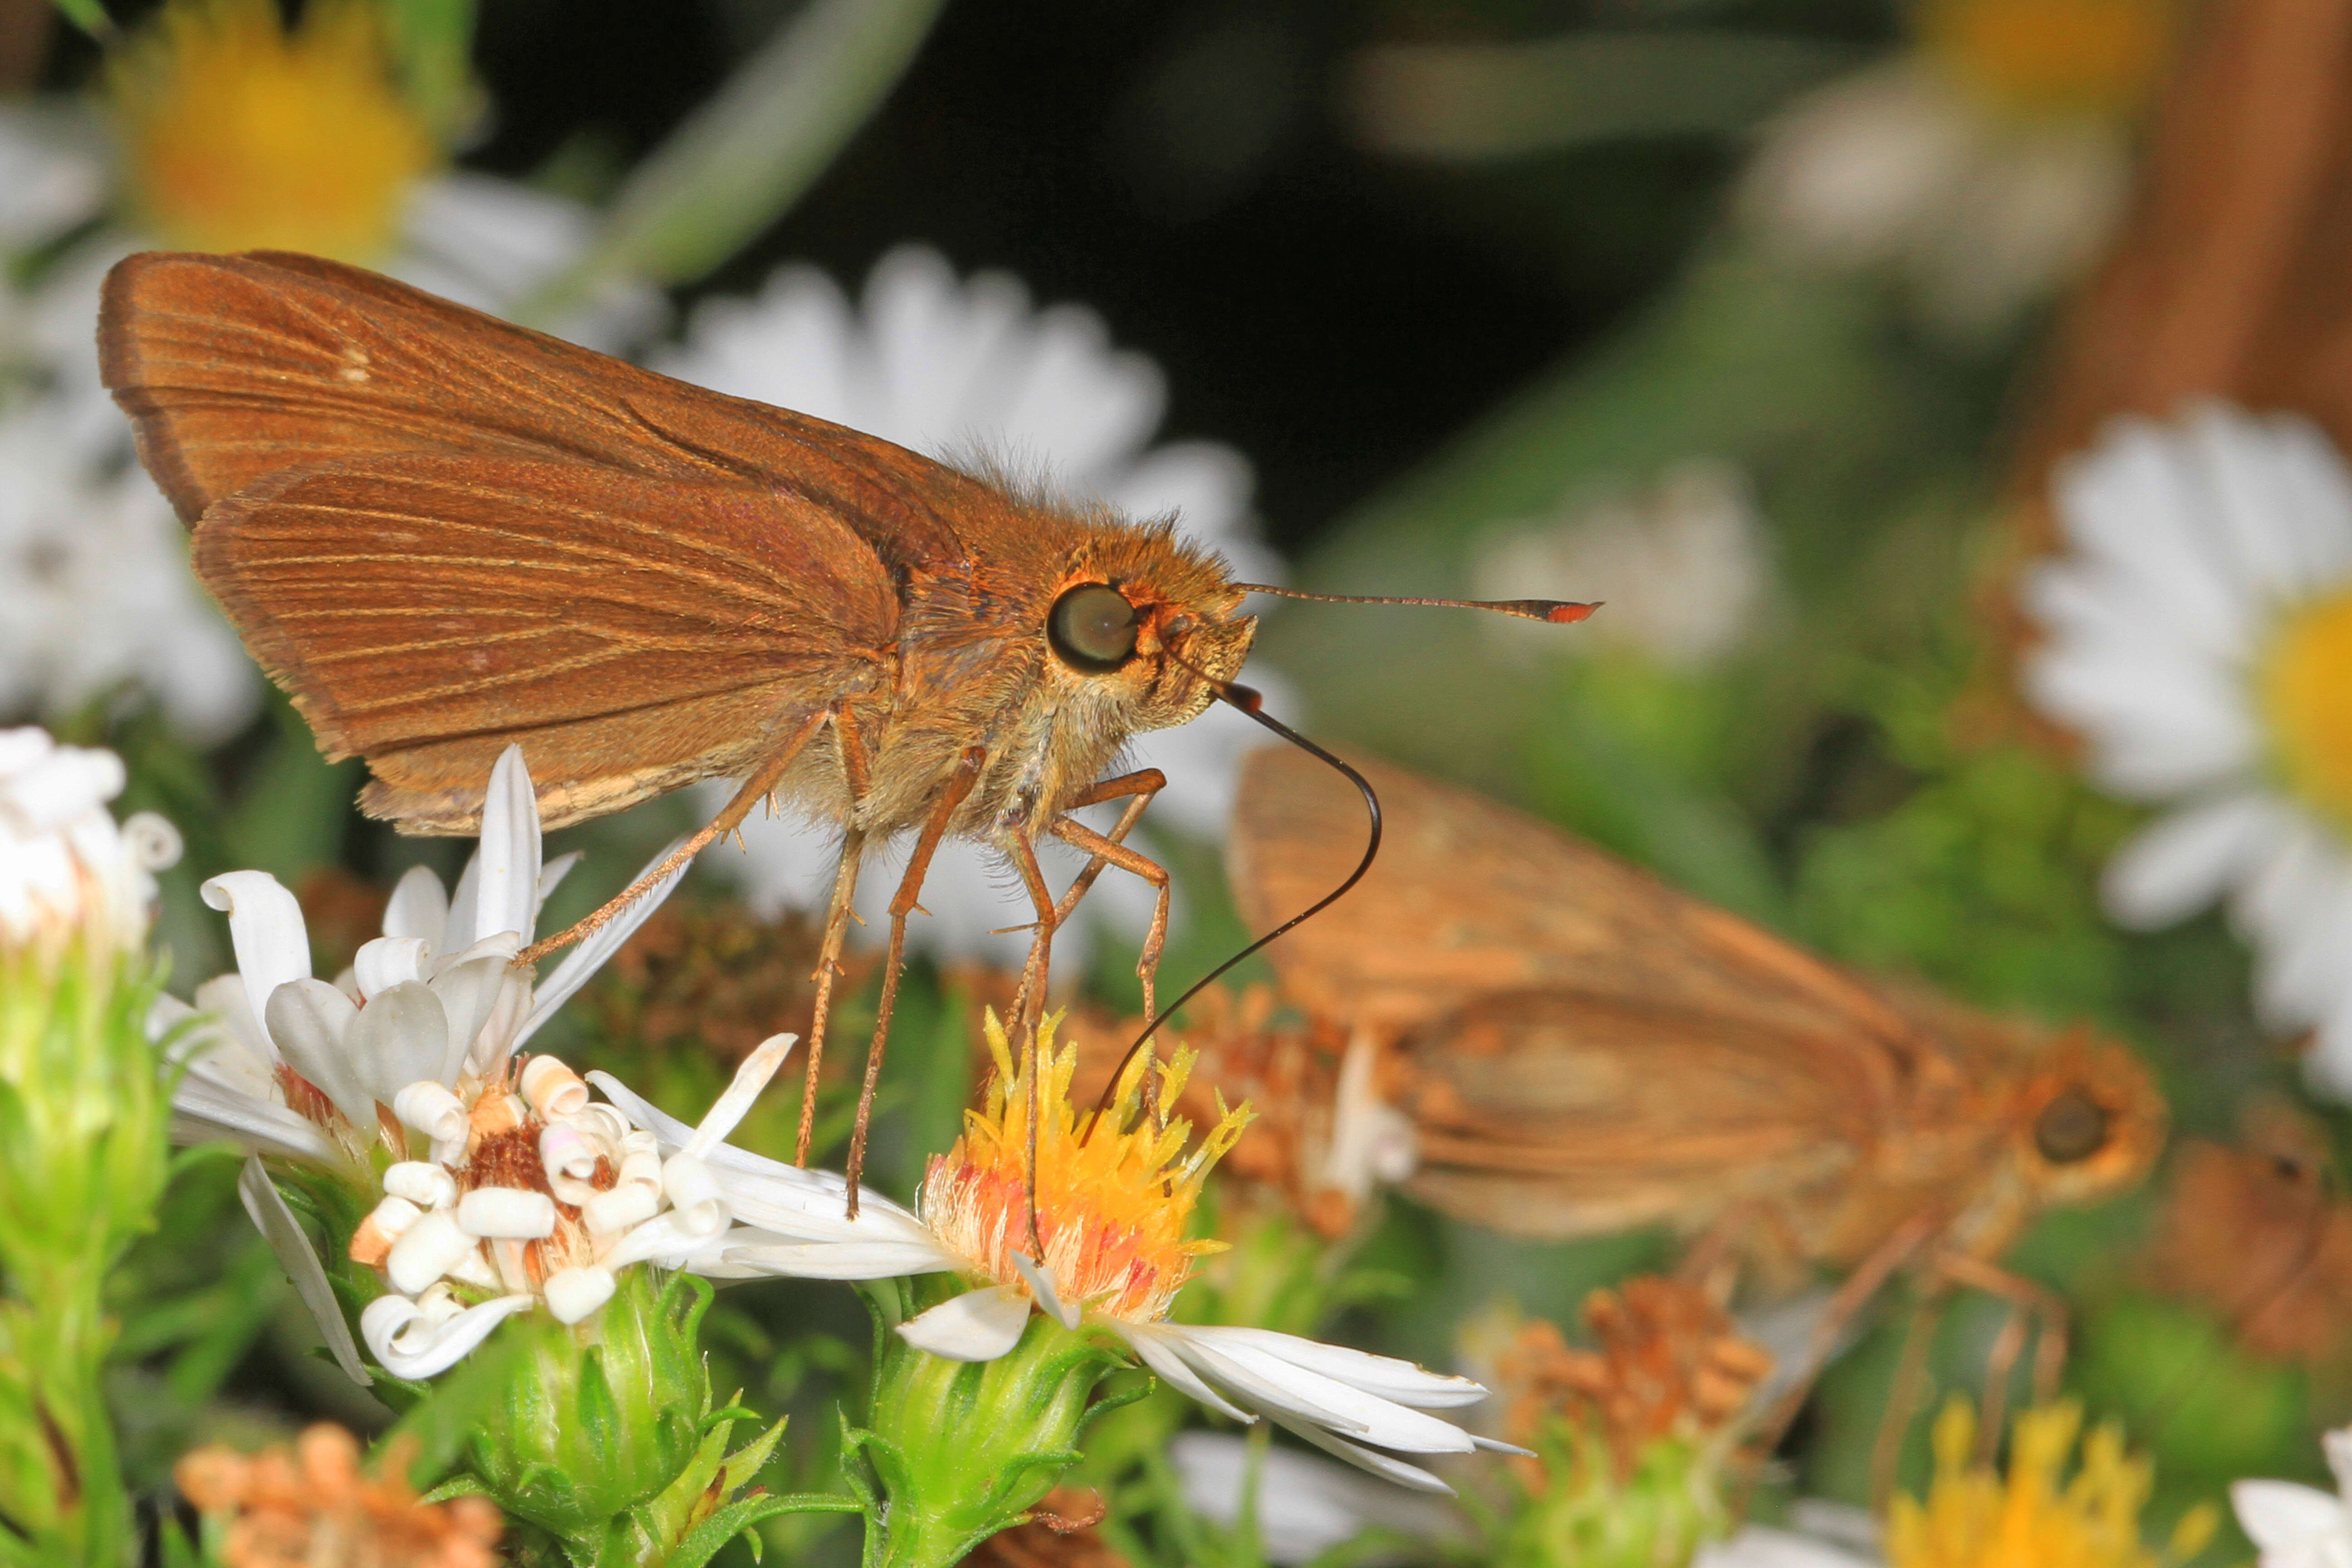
[
  {"x": 1668, "y": 1364},
  {"x": 1060, "y": 1535},
  {"x": 2257, "y": 1237},
  {"x": 309, "y": 1505},
  {"x": 715, "y": 980}
]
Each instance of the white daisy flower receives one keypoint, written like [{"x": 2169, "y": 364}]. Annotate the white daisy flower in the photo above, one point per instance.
[
  {"x": 1110, "y": 1212},
  {"x": 2198, "y": 638},
  {"x": 959, "y": 369},
  {"x": 291, "y": 1066},
  {"x": 67, "y": 869},
  {"x": 530, "y": 1195},
  {"x": 1682, "y": 564},
  {"x": 2294, "y": 1526},
  {"x": 99, "y": 592},
  {"x": 223, "y": 131},
  {"x": 1986, "y": 167}
]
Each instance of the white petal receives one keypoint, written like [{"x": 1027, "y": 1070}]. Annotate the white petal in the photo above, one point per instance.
[
  {"x": 978, "y": 1325},
  {"x": 311, "y": 1022},
  {"x": 386, "y": 962},
  {"x": 2187, "y": 859},
  {"x": 1163, "y": 1359},
  {"x": 588, "y": 955},
  {"x": 400, "y": 1036},
  {"x": 202, "y": 1111},
  {"x": 1385, "y": 1377},
  {"x": 2277, "y": 1515},
  {"x": 470, "y": 989},
  {"x": 506, "y": 893},
  {"x": 551, "y": 875},
  {"x": 1040, "y": 1280},
  {"x": 1380, "y": 1464},
  {"x": 838, "y": 1259},
  {"x": 1267, "y": 1377},
  {"x": 419, "y": 908},
  {"x": 286, "y": 1238},
  {"x": 266, "y": 932},
  {"x": 386, "y": 1323},
  {"x": 732, "y": 1106}
]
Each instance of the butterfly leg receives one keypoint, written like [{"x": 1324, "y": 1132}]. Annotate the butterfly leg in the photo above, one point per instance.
[
  {"x": 2028, "y": 1302},
  {"x": 1108, "y": 849},
  {"x": 758, "y": 786},
  {"x": 828, "y": 966},
  {"x": 1868, "y": 1278},
  {"x": 911, "y": 888},
  {"x": 1031, "y": 1004},
  {"x": 1904, "y": 1395}
]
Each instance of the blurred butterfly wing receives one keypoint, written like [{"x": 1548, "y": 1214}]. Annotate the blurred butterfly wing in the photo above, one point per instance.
[
  {"x": 426, "y": 612},
  {"x": 1469, "y": 898},
  {"x": 233, "y": 367},
  {"x": 1558, "y": 1114}
]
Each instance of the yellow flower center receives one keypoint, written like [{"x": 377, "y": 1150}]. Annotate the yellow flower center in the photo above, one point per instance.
[
  {"x": 239, "y": 136},
  {"x": 2101, "y": 58},
  {"x": 2034, "y": 1518},
  {"x": 2305, "y": 688},
  {"x": 1112, "y": 1207}
]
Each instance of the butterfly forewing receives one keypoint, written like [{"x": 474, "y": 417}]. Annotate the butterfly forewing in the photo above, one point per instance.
[
  {"x": 426, "y": 611},
  {"x": 232, "y": 367},
  {"x": 1469, "y": 898}
]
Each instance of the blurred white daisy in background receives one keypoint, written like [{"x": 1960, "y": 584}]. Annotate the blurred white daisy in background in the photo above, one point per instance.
[
  {"x": 957, "y": 368},
  {"x": 1682, "y": 564},
  {"x": 68, "y": 871},
  {"x": 1306, "y": 1505},
  {"x": 2199, "y": 639},
  {"x": 218, "y": 129},
  {"x": 1985, "y": 166}
]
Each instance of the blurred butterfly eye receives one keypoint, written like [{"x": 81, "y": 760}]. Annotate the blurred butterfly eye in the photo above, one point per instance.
[
  {"x": 2072, "y": 1128},
  {"x": 1092, "y": 628}
]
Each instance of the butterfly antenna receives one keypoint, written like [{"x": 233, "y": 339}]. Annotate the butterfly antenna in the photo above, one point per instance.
[
  {"x": 1251, "y": 703},
  {"x": 1559, "y": 612}
]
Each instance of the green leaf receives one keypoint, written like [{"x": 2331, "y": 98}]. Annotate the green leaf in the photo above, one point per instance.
[
  {"x": 90, "y": 16},
  {"x": 702, "y": 1543},
  {"x": 750, "y": 152}
]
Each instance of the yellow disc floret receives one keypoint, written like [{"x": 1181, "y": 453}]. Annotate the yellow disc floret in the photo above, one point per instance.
[
  {"x": 1112, "y": 1206},
  {"x": 237, "y": 135},
  {"x": 2035, "y": 1517}
]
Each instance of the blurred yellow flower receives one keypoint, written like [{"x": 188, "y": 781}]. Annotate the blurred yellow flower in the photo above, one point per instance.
[
  {"x": 1975, "y": 1518},
  {"x": 238, "y": 135},
  {"x": 2101, "y": 58}
]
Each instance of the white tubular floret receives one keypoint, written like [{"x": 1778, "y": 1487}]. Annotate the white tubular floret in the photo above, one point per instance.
[
  {"x": 695, "y": 1195},
  {"x": 552, "y": 1089},
  {"x": 425, "y": 1252},
  {"x": 422, "y": 1183},
  {"x": 512, "y": 1213},
  {"x": 436, "y": 1112},
  {"x": 573, "y": 1294}
]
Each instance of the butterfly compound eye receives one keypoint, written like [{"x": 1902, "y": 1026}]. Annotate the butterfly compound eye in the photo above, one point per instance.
[
  {"x": 2072, "y": 1128},
  {"x": 1092, "y": 628}
]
